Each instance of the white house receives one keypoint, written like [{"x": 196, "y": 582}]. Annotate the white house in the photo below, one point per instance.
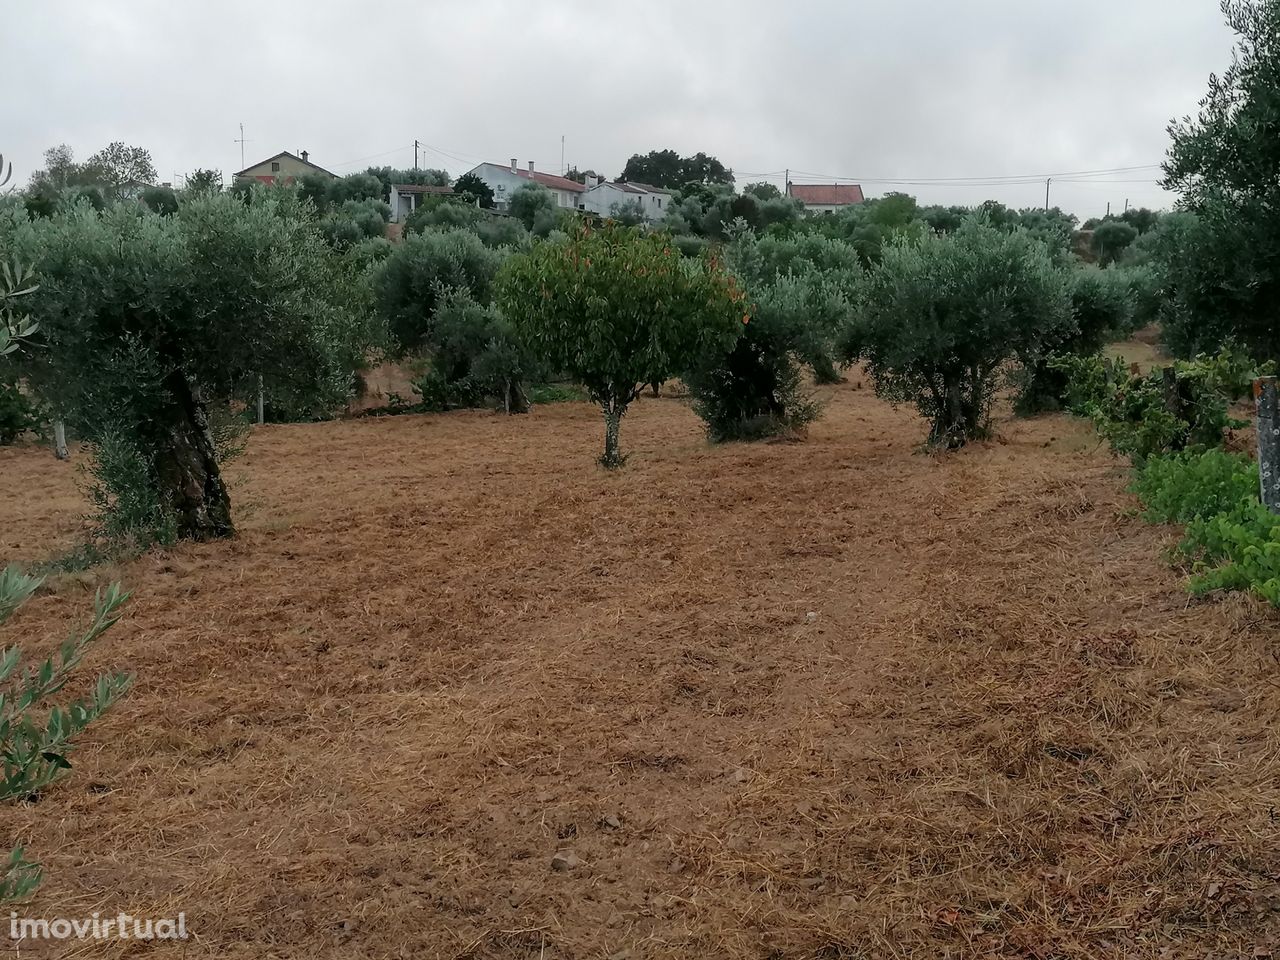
[
  {"x": 826, "y": 197},
  {"x": 604, "y": 198},
  {"x": 506, "y": 180},
  {"x": 405, "y": 197}
]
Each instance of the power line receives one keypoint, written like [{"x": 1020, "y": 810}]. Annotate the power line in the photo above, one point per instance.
[
  {"x": 374, "y": 156},
  {"x": 992, "y": 181}
]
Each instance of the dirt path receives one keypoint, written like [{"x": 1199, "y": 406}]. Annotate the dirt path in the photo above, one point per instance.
[{"x": 830, "y": 699}]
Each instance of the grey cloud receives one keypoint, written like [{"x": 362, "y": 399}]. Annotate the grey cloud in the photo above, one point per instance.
[{"x": 908, "y": 89}]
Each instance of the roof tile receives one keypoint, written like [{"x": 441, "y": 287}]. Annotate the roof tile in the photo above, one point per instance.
[{"x": 832, "y": 194}]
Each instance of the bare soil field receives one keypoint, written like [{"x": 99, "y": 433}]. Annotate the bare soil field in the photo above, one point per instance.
[{"x": 456, "y": 692}]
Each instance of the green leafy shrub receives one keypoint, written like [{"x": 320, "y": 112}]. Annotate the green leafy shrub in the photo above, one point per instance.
[
  {"x": 940, "y": 317},
  {"x": 1146, "y": 297},
  {"x": 370, "y": 251},
  {"x": 691, "y": 246},
  {"x": 1182, "y": 406},
  {"x": 443, "y": 214},
  {"x": 161, "y": 200},
  {"x": 1181, "y": 487},
  {"x": 616, "y": 309},
  {"x": 129, "y": 512},
  {"x": 474, "y": 355},
  {"x": 419, "y": 273},
  {"x": 532, "y": 202},
  {"x": 753, "y": 390},
  {"x": 805, "y": 285},
  {"x": 494, "y": 230},
  {"x": 1236, "y": 550},
  {"x": 1231, "y": 541},
  {"x": 1101, "y": 310},
  {"x": 35, "y": 737}
]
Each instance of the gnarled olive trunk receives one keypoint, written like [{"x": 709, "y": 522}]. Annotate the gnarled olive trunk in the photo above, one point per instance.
[
  {"x": 186, "y": 465},
  {"x": 961, "y": 414},
  {"x": 514, "y": 399}
]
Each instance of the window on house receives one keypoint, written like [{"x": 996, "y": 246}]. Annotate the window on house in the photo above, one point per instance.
[
  {"x": 659, "y": 199},
  {"x": 275, "y": 166}
]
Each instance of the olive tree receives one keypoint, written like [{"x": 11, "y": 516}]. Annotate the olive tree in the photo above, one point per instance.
[
  {"x": 1110, "y": 239},
  {"x": 1102, "y": 309},
  {"x": 939, "y": 318},
  {"x": 617, "y": 309},
  {"x": 532, "y": 202},
  {"x": 412, "y": 282},
  {"x": 147, "y": 320},
  {"x": 1222, "y": 267}
]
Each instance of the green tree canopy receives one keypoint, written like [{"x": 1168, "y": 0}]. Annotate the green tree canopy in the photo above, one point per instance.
[
  {"x": 762, "y": 191},
  {"x": 666, "y": 168},
  {"x": 469, "y": 185},
  {"x": 422, "y": 177},
  {"x": 941, "y": 315},
  {"x": 118, "y": 164},
  {"x": 1110, "y": 239},
  {"x": 1225, "y": 163},
  {"x": 412, "y": 281},
  {"x": 204, "y": 181},
  {"x": 144, "y": 320},
  {"x": 530, "y": 202},
  {"x": 616, "y": 309}
]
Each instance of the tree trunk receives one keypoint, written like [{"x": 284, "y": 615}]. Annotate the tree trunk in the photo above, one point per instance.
[
  {"x": 60, "y": 441},
  {"x": 187, "y": 466},
  {"x": 516, "y": 401},
  {"x": 612, "y": 458},
  {"x": 656, "y": 387},
  {"x": 949, "y": 429}
]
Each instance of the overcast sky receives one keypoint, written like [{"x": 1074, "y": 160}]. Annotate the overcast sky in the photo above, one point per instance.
[{"x": 871, "y": 90}]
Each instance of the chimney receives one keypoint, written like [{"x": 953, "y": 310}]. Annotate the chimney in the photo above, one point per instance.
[
  {"x": 304, "y": 156},
  {"x": 515, "y": 165},
  {"x": 531, "y": 166}
]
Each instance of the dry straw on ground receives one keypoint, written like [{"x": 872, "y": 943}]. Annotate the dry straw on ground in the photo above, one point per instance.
[{"x": 831, "y": 699}]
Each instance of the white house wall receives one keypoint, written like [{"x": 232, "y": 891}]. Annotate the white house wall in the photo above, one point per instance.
[
  {"x": 601, "y": 199},
  {"x": 504, "y": 184}
]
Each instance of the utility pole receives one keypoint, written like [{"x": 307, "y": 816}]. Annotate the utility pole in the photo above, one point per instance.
[
  {"x": 1126, "y": 204},
  {"x": 415, "y": 154},
  {"x": 1108, "y": 208},
  {"x": 241, "y": 141},
  {"x": 786, "y": 182},
  {"x": 1048, "y": 180}
]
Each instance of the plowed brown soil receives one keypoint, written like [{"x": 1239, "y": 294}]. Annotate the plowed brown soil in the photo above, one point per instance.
[{"x": 830, "y": 699}]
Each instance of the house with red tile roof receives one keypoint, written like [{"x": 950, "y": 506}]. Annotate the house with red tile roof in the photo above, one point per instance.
[
  {"x": 504, "y": 180},
  {"x": 284, "y": 167},
  {"x": 826, "y": 197}
]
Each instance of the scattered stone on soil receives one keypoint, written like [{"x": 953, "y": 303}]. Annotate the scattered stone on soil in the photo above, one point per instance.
[{"x": 565, "y": 860}]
